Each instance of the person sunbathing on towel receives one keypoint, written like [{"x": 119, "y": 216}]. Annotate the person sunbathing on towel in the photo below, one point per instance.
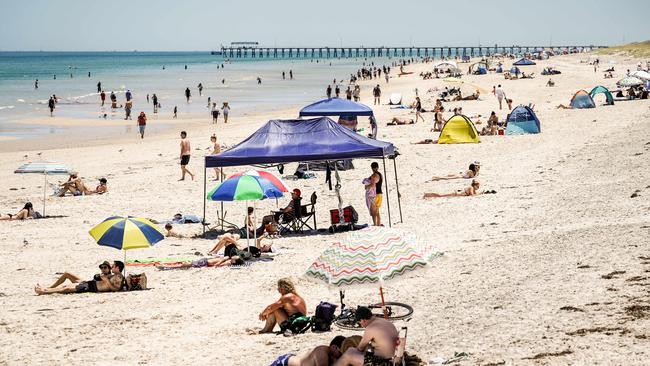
[
  {"x": 104, "y": 268},
  {"x": 425, "y": 142},
  {"x": 228, "y": 242},
  {"x": 319, "y": 356},
  {"x": 105, "y": 283},
  {"x": 27, "y": 212},
  {"x": 207, "y": 262},
  {"x": 289, "y": 303},
  {"x": 562, "y": 106},
  {"x": 100, "y": 189},
  {"x": 398, "y": 122},
  {"x": 473, "y": 171},
  {"x": 472, "y": 190}
]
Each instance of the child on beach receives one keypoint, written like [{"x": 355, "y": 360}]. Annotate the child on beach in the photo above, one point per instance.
[{"x": 226, "y": 110}]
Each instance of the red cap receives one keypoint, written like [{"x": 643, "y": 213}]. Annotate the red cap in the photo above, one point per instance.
[{"x": 296, "y": 191}]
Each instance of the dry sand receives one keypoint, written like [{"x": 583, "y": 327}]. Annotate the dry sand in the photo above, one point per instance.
[{"x": 524, "y": 278}]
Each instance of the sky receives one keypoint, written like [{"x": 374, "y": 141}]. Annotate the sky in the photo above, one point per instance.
[{"x": 198, "y": 25}]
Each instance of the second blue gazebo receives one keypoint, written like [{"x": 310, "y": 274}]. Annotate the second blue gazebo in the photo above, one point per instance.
[{"x": 343, "y": 108}]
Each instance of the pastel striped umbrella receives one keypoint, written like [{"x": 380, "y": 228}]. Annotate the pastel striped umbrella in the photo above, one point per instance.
[
  {"x": 370, "y": 256},
  {"x": 126, "y": 233},
  {"x": 629, "y": 81},
  {"x": 46, "y": 168}
]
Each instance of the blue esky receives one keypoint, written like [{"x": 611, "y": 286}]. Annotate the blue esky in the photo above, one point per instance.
[{"x": 180, "y": 25}]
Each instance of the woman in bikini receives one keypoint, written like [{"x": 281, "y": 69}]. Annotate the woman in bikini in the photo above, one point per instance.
[
  {"x": 472, "y": 190},
  {"x": 473, "y": 171},
  {"x": 26, "y": 213}
]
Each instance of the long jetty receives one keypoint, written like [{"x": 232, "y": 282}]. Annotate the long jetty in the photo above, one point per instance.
[{"x": 411, "y": 51}]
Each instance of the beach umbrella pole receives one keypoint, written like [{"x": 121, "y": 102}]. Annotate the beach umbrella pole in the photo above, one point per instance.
[
  {"x": 248, "y": 232},
  {"x": 383, "y": 303},
  {"x": 44, "y": 188}
]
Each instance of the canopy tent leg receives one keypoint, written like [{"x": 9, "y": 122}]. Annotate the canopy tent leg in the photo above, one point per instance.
[
  {"x": 221, "y": 203},
  {"x": 399, "y": 196},
  {"x": 205, "y": 194},
  {"x": 44, "y": 194},
  {"x": 390, "y": 223},
  {"x": 248, "y": 232}
]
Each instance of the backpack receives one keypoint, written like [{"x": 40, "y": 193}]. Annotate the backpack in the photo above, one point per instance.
[
  {"x": 136, "y": 282},
  {"x": 296, "y": 324},
  {"x": 324, "y": 316}
]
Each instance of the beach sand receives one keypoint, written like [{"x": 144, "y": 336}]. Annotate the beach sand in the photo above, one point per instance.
[{"x": 526, "y": 275}]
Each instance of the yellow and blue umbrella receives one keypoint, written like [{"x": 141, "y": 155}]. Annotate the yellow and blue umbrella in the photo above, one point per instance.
[{"x": 126, "y": 233}]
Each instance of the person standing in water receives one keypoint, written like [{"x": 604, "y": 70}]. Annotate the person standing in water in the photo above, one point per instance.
[
  {"x": 283, "y": 75},
  {"x": 290, "y": 74},
  {"x": 99, "y": 86},
  {"x": 102, "y": 96},
  {"x": 185, "y": 155},
  {"x": 142, "y": 123},
  {"x": 188, "y": 94},
  {"x": 200, "y": 86},
  {"x": 36, "y": 84},
  {"x": 328, "y": 91},
  {"x": 154, "y": 99},
  {"x": 50, "y": 105}
]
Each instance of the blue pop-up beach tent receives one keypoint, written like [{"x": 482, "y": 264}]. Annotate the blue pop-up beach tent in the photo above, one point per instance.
[
  {"x": 524, "y": 62},
  {"x": 522, "y": 120},
  {"x": 299, "y": 140}
]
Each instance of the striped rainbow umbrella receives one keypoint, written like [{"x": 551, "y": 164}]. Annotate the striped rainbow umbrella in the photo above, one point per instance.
[
  {"x": 248, "y": 186},
  {"x": 370, "y": 256},
  {"x": 126, "y": 233}
]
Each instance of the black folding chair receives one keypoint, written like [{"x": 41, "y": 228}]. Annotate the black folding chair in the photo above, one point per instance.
[{"x": 306, "y": 213}]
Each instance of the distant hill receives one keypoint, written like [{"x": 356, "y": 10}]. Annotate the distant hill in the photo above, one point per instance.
[{"x": 634, "y": 49}]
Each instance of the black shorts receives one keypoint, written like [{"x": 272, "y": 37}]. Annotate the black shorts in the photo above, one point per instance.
[
  {"x": 86, "y": 286},
  {"x": 230, "y": 251},
  {"x": 185, "y": 159}
]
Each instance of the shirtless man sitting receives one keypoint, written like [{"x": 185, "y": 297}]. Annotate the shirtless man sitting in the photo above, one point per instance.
[
  {"x": 319, "y": 356},
  {"x": 290, "y": 303},
  {"x": 105, "y": 283},
  {"x": 380, "y": 332}
]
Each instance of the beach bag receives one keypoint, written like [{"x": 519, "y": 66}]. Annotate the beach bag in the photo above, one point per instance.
[
  {"x": 136, "y": 282},
  {"x": 296, "y": 324},
  {"x": 324, "y": 316}
]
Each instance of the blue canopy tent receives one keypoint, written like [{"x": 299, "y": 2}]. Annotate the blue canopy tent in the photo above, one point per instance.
[
  {"x": 524, "y": 62},
  {"x": 344, "y": 108},
  {"x": 295, "y": 140},
  {"x": 522, "y": 120}
]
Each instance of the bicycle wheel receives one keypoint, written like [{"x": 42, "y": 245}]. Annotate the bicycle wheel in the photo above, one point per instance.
[
  {"x": 395, "y": 310},
  {"x": 348, "y": 324}
]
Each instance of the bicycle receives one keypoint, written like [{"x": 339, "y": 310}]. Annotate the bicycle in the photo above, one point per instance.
[{"x": 394, "y": 311}]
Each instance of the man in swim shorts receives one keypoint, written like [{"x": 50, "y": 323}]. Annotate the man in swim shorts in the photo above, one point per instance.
[
  {"x": 185, "y": 155},
  {"x": 105, "y": 283}
]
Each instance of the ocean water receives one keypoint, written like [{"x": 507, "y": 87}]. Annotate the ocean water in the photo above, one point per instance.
[{"x": 65, "y": 74}]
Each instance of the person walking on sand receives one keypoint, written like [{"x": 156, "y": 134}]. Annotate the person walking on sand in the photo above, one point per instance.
[
  {"x": 500, "y": 94},
  {"x": 215, "y": 113},
  {"x": 226, "y": 110},
  {"x": 185, "y": 155},
  {"x": 328, "y": 91},
  {"x": 376, "y": 92},
  {"x": 418, "y": 109},
  {"x": 102, "y": 96},
  {"x": 175, "y": 112},
  {"x": 51, "y": 106},
  {"x": 200, "y": 87},
  {"x": 188, "y": 94},
  {"x": 142, "y": 123},
  {"x": 337, "y": 90}
]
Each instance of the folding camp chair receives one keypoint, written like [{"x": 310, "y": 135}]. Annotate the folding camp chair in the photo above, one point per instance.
[
  {"x": 286, "y": 220},
  {"x": 306, "y": 212}
]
